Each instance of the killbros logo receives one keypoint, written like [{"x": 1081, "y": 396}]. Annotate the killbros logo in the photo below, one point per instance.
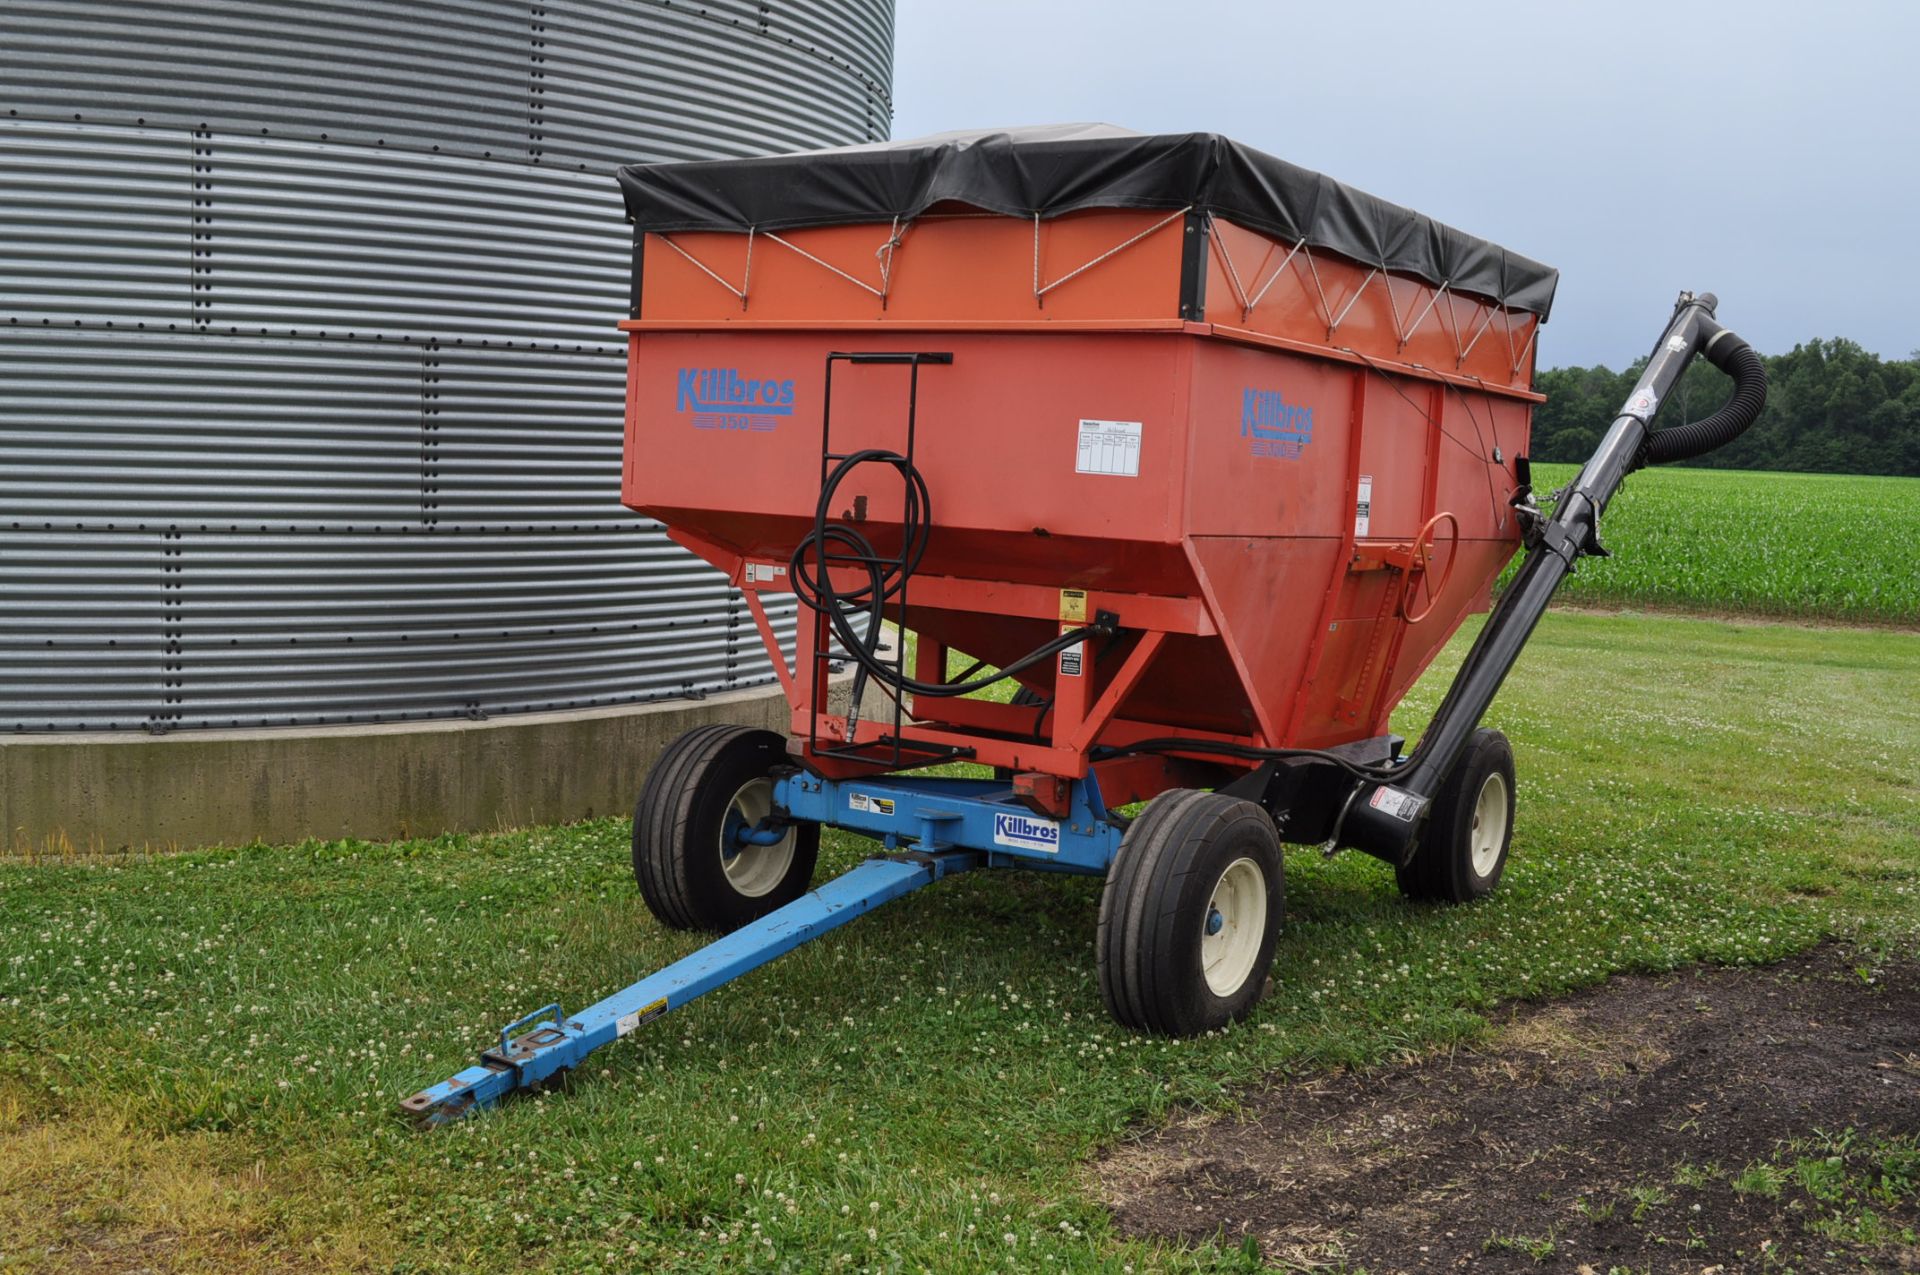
[
  {"x": 721, "y": 398},
  {"x": 1026, "y": 833},
  {"x": 1278, "y": 428}
]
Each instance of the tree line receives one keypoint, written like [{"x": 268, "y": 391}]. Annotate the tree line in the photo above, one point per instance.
[{"x": 1832, "y": 407}]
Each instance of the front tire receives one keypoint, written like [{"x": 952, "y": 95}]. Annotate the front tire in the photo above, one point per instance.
[
  {"x": 1463, "y": 849},
  {"x": 694, "y": 870},
  {"x": 1190, "y": 914}
]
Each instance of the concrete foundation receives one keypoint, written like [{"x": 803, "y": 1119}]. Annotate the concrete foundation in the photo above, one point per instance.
[{"x": 93, "y": 793}]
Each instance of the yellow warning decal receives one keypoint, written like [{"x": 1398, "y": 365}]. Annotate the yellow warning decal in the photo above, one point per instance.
[
  {"x": 646, "y": 1014},
  {"x": 1073, "y": 606}
]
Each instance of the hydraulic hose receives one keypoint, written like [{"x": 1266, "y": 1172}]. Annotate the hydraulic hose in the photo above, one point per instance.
[
  {"x": 886, "y": 580},
  {"x": 1684, "y": 442}
]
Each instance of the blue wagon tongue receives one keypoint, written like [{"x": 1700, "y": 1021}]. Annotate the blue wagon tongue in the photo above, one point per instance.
[{"x": 539, "y": 1056}]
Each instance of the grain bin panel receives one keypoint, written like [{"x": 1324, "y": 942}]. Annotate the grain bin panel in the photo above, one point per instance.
[
  {"x": 97, "y": 224},
  {"x": 522, "y": 439},
  {"x": 433, "y": 75},
  {"x": 84, "y": 643},
  {"x": 718, "y": 84},
  {"x": 345, "y": 241},
  {"x": 314, "y": 397},
  {"x": 103, "y": 430},
  {"x": 857, "y": 36},
  {"x": 312, "y": 629}
]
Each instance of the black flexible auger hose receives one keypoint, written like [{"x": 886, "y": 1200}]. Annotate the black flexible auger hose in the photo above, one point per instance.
[{"x": 1684, "y": 442}]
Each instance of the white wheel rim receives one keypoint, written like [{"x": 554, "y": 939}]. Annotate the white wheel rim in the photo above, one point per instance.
[
  {"x": 1489, "y": 832},
  {"x": 753, "y": 870},
  {"x": 1234, "y": 927}
]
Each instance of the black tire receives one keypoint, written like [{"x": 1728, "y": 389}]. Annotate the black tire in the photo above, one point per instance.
[
  {"x": 1154, "y": 914},
  {"x": 683, "y": 814},
  {"x": 1461, "y": 856}
]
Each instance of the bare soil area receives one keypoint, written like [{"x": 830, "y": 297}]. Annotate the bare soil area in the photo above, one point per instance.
[{"x": 1708, "y": 1120}]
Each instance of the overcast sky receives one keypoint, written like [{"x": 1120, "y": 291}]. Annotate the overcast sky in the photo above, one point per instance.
[{"x": 1769, "y": 152}]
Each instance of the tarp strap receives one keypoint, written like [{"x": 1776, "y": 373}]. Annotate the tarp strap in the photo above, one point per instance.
[
  {"x": 856, "y": 282},
  {"x": 1393, "y": 305},
  {"x": 1233, "y": 274},
  {"x": 1357, "y": 292},
  {"x": 1333, "y": 320},
  {"x": 1324, "y": 307},
  {"x": 1527, "y": 347},
  {"x": 706, "y": 270},
  {"x": 1247, "y": 303},
  {"x": 1478, "y": 333},
  {"x": 1040, "y": 291},
  {"x": 885, "y": 254}
]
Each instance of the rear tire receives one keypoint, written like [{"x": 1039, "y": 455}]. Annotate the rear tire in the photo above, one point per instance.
[
  {"x": 693, "y": 871},
  {"x": 1463, "y": 849},
  {"x": 1191, "y": 910}
]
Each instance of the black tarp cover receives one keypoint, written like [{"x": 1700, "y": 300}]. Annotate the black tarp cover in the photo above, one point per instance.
[{"x": 1057, "y": 169}]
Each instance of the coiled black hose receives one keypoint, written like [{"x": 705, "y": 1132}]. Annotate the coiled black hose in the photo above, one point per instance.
[
  {"x": 1684, "y": 442},
  {"x": 886, "y": 579}
]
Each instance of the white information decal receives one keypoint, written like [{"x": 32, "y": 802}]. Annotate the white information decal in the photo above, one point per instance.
[
  {"x": 1072, "y": 657},
  {"x": 1391, "y": 801},
  {"x": 1109, "y": 447},
  {"x": 763, "y": 572},
  {"x": 871, "y": 805},
  {"x": 1363, "y": 506}
]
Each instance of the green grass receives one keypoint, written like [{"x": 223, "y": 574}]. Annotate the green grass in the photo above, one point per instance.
[
  {"x": 1816, "y": 545},
  {"x": 199, "y": 1055},
  {"x": 1851, "y": 1183},
  {"x": 1854, "y": 1181},
  {"x": 1538, "y": 1247}
]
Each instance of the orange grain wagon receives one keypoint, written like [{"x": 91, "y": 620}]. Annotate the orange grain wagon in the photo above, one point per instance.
[{"x": 1209, "y": 454}]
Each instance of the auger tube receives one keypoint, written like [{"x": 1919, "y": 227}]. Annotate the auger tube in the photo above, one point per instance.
[{"x": 1555, "y": 544}]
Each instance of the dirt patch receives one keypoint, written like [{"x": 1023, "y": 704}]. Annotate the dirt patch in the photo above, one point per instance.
[{"x": 1740, "y": 1119}]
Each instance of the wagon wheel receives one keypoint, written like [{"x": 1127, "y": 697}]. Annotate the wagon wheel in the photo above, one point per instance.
[
  {"x": 1417, "y": 571},
  {"x": 1469, "y": 829},
  {"x": 1190, "y": 914},
  {"x": 695, "y": 857}
]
